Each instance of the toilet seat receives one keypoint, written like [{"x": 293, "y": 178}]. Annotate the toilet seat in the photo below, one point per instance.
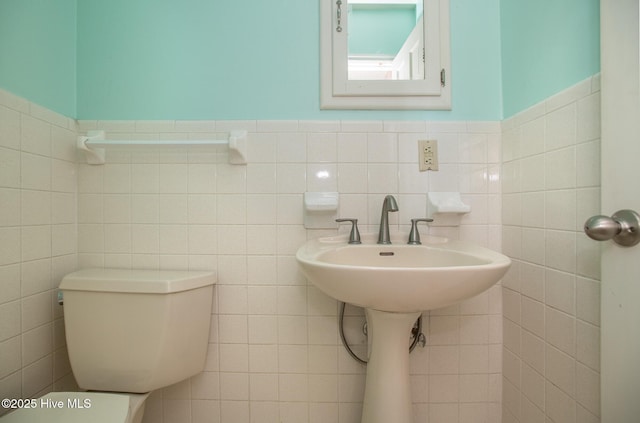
[{"x": 78, "y": 407}]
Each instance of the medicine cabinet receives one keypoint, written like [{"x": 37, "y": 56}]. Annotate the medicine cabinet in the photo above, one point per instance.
[{"x": 385, "y": 54}]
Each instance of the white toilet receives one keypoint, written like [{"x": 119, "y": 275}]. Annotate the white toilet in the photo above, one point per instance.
[{"x": 128, "y": 333}]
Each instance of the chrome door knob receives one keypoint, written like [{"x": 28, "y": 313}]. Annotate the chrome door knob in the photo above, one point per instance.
[{"x": 623, "y": 227}]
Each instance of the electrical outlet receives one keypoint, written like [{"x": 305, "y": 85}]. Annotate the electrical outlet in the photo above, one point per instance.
[{"x": 428, "y": 155}]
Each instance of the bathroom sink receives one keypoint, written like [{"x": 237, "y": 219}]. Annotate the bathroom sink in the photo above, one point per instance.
[
  {"x": 399, "y": 277},
  {"x": 395, "y": 283}
]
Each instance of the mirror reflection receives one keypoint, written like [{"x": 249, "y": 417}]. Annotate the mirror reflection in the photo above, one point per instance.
[{"x": 385, "y": 39}]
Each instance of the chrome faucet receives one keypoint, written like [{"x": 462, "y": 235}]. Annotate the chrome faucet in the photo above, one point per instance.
[{"x": 389, "y": 205}]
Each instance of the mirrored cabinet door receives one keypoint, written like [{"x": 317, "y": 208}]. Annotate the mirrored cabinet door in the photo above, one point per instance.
[{"x": 385, "y": 54}]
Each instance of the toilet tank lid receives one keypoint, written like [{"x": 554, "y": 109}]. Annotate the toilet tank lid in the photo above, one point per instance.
[{"x": 136, "y": 281}]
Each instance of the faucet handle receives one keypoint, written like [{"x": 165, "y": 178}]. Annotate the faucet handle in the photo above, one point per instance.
[
  {"x": 414, "y": 235},
  {"x": 354, "y": 236}
]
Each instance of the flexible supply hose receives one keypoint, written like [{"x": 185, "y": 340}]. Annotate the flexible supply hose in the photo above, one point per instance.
[{"x": 416, "y": 335}]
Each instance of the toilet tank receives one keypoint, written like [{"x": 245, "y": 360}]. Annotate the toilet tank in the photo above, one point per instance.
[{"x": 136, "y": 330}]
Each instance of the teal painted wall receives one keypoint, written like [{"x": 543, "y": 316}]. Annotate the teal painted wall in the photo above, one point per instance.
[
  {"x": 547, "y": 46},
  {"x": 253, "y": 59},
  {"x": 211, "y": 59},
  {"x": 475, "y": 61},
  {"x": 196, "y": 59},
  {"x": 38, "y": 52}
]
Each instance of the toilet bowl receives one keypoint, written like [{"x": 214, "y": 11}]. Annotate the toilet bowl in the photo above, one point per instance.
[
  {"x": 81, "y": 407},
  {"x": 128, "y": 332}
]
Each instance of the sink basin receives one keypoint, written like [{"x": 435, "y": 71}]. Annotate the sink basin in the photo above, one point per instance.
[{"x": 400, "y": 277}]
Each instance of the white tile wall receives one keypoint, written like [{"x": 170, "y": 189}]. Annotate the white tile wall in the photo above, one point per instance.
[
  {"x": 551, "y": 294},
  {"x": 275, "y": 353},
  {"x": 37, "y": 245}
]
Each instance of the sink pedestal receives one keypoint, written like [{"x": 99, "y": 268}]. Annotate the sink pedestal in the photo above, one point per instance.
[{"x": 387, "y": 395}]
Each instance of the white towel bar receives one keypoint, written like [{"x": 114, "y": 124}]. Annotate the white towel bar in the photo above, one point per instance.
[{"x": 94, "y": 144}]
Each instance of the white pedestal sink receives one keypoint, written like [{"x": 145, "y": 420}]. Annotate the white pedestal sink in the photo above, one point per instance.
[{"x": 395, "y": 283}]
